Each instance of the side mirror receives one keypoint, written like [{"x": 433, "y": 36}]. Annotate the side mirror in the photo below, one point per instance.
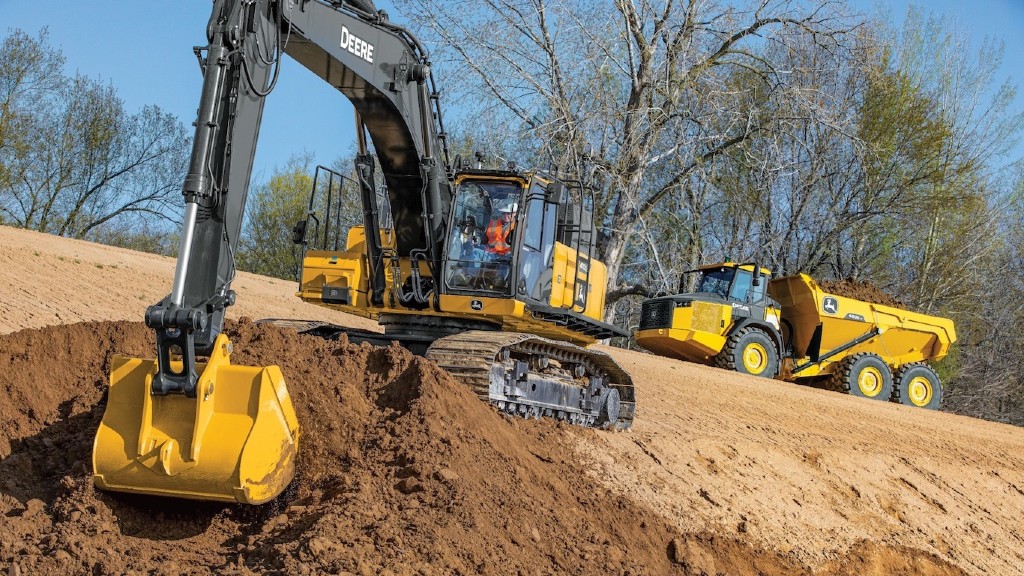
[
  {"x": 556, "y": 193},
  {"x": 299, "y": 232}
]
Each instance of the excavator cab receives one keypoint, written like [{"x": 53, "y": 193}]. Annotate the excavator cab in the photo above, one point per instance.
[
  {"x": 484, "y": 230},
  {"x": 526, "y": 236}
]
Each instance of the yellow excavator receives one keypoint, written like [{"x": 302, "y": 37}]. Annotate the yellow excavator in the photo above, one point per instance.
[{"x": 488, "y": 272}]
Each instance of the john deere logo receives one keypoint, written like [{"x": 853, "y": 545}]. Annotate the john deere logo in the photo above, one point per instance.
[
  {"x": 830, "y": 305},
  {"x": 476, "y": 305}
]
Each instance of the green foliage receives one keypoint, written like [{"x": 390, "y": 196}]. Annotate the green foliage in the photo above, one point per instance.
[{"x": 274, "y": 207}]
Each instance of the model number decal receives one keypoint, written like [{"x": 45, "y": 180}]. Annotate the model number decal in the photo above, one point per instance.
[{"x": 356, "y": 45}]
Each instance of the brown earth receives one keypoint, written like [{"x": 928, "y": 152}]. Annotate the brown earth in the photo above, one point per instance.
[
  {"x": 860, "y": 290},
  {"x": 404, "y": 472}
]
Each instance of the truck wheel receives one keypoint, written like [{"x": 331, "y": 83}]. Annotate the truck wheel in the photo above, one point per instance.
[
  {"x": 750, "y": 351},
  {"x": 864, "y": 375},
  {"x": 918, "y": 385}
]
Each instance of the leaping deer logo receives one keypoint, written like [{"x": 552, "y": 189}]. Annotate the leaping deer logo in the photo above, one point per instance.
[{"x": 830, "y": 305}]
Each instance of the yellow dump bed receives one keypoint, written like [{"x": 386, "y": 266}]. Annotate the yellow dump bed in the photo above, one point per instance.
[{"x": 903, "y": 336}]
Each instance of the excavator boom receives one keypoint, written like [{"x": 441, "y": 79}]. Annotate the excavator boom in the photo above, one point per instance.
[{"x": 176, "y": 426}]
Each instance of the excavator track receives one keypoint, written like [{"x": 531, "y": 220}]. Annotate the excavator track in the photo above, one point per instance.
[{"x": 534, "y": 377}]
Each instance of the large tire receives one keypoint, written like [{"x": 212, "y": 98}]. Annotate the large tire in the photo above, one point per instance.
[
  {"x": 750, "y": 351},
  {"x": 864, "y": 375},
  {"x": 918, "y": 385}
]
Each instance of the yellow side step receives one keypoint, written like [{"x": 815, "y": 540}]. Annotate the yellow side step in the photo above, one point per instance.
[{"x": 236, "y": 441}]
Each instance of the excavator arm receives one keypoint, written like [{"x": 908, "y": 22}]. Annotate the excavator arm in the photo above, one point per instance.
[
  {"x": 379, "y": 67},
  {"x": 211, "y": 430}
]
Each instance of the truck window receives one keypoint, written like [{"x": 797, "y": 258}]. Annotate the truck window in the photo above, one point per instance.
[
  {"x": 757, "y": 292},
  {"x": 716, "y": 281},
  {"x": 741, "y": 285}
]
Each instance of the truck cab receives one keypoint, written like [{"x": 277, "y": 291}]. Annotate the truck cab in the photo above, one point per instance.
[{"x": 727, "y": 319}]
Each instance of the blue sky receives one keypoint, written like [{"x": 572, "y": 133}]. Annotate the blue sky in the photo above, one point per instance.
[{"x": 144, "y": 49}]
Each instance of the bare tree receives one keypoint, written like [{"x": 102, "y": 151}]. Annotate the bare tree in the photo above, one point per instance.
[
  {"x": 73, "y": 158},
  {"x": 639, "y": 90}
]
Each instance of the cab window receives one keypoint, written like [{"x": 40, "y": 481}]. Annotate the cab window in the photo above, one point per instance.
[
  {"x": 716, "y": 282},
  {"x": 538, "y": 244},
  {"x": 740, "y": 285}
]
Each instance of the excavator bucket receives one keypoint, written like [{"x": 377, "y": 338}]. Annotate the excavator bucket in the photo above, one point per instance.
[{"x": 236, "y": 441}]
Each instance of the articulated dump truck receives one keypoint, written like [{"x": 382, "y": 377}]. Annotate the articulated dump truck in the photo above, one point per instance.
[{"x": 797, "y": 332}]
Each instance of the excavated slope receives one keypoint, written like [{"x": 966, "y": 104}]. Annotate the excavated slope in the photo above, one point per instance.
[{"x": 404, "y": 472}]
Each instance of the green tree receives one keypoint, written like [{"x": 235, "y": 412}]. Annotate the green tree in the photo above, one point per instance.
[
  {"x": 273, "y": 209},
  {"x": 29, "y": 71}
]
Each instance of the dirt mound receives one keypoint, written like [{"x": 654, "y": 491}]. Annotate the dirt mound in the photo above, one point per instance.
[
  {"x": 402, "y": 470},
  {"x": 860, "y": 290}
]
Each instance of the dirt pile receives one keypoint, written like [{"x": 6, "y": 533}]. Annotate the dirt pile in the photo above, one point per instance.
[
  {"x": 403, "y": 471},
  {"x": 860, "y": 290}
]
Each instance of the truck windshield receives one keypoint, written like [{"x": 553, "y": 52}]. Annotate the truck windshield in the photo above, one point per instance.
[{"x": 716, "y": 281}]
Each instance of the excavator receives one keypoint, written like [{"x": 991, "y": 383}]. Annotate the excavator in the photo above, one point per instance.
[{"x": 511, "y": 321}]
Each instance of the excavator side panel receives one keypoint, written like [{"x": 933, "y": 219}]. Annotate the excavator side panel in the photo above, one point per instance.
[{"x": 578, "y": 283}]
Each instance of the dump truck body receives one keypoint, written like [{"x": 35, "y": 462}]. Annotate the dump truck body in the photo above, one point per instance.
[{"x": 898, "y": 336}]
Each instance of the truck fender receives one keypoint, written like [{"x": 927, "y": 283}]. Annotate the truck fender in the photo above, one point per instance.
[{"x": 772, "y": 332}]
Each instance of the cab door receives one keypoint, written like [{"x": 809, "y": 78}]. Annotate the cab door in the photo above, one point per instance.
[{"x": 537, "y": 245}]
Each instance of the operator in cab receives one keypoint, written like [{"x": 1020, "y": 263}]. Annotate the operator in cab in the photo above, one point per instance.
[
  {"x": 498, "y": 239},
  {"x": 499, "y": 231}
]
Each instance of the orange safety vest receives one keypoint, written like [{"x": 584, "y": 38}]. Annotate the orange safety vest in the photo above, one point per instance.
[{"x": 497, "y": 236}]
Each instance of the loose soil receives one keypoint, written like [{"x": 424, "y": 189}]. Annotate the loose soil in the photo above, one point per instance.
[
  {"x": 860, "y": 290},
  {"x": 403, "y": 471}
]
